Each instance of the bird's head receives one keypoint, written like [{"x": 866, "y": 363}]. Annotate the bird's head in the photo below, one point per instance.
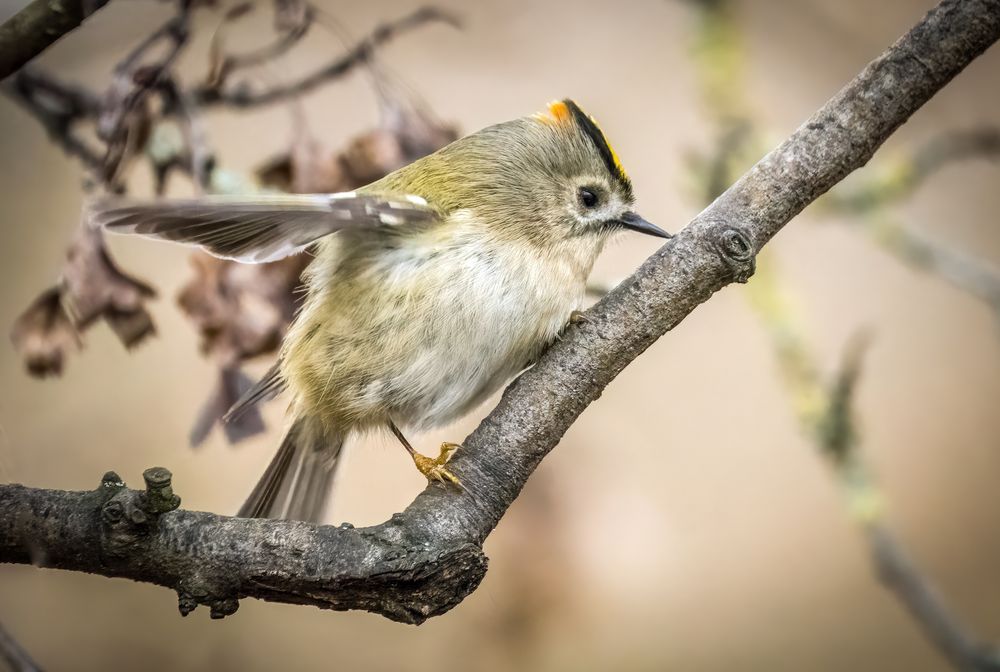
[
  {"x": 589, "y": 192},
  {"x": 548, "y": 177},
  {"x": 551, "y": 178}
]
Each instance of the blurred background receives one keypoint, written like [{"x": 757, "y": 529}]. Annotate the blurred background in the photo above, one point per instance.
[{"x": 688, "y": 520}]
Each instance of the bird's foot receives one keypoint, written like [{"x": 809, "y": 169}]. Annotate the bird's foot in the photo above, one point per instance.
[
  {"x": 575, "y": 317},
  {"x": 434, "y": 469}
]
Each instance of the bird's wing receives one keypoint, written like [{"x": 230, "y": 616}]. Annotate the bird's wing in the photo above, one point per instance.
[{"x": 260, "y": 228}]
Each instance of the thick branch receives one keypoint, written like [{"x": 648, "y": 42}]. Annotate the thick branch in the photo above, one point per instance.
[
  {"x": 426, "y": 559},
  {"x": 31, "y": 31},
  {"x": 396, "y": 569}
]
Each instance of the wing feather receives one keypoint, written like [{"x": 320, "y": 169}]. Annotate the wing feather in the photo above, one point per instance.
[
  {"x": 266, "y": 388},
  {"x": 260, "y": 228}
]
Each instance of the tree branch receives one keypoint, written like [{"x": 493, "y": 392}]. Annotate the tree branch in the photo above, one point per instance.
[
  {"x": 837, "y": 437},
  {"x": 902, "y": 178},
  {"x": 426, "y": 559},
  {"x": 898, "y": 573},
  {"x": 31, "y": 31},
  {"x": 241, "y": 96},
  {"x": 58, "y": 107},
  {"x": 14, "y": 655}
]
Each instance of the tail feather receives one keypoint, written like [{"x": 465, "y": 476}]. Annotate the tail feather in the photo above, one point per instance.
[
  {"x": 297, "y": 483},
  {"x": 312, "y": 487}
]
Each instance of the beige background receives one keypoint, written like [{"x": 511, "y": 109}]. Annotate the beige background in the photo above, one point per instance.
[{"x": 754, "y": 563}]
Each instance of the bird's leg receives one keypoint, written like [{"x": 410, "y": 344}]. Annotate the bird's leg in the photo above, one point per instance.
[{"x": 432, "y": 469}]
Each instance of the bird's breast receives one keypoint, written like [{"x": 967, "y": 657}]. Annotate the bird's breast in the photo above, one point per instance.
[
  {"x": 487, "y": 311},
  {"x": 425, "y": 329}
]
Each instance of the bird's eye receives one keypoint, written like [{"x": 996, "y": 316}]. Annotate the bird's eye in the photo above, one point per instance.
[{"x": 588, "y": 197}]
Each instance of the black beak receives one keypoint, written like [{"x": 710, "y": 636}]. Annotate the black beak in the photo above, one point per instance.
[{"x": 634, "y": 222}]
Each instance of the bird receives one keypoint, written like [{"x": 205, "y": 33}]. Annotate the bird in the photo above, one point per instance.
[{"x": 428, "y": 289}]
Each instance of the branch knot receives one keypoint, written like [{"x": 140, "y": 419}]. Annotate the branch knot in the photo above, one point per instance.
[
  {"x": 159, "y": 496},
  {"x": 737, "y": 251},
  {"x": 129, "y": 517},
  {"x": 198, "y": 590}
]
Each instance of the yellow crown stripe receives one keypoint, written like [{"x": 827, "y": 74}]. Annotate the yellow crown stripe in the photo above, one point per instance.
[
  {"x": 590, "y": 128},
  {"x": 568, "y": 112},
  {"x": 614, "y": 154}
]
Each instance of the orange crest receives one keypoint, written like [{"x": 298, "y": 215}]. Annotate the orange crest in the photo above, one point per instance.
[
  {"x": 558, "y": 113},
  {"x": 568, "y": 112}
]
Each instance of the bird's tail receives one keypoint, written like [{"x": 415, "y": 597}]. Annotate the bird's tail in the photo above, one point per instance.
[{"x": 297, "y": 483}]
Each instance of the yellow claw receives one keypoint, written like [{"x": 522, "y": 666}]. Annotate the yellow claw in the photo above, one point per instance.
[{"x": 434, "y": 469}]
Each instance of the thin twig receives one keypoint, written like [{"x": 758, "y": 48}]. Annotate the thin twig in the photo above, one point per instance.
[
  {"x": 901, "y": 178},
  {"x": 14, "y": 654},
  {"x": 223, "y": 65},
  {"x": 899, "y": 574},
  {"x": 867, "y": 204},
  {"x": 966, "y": 272},
  {"x": 826, "y": 416},
  {"x": 840, "y": 441},
  {"x": 59, "y": 108},
  {"x": 124, "y": 123},
  {"x": 241, "y": 96}
]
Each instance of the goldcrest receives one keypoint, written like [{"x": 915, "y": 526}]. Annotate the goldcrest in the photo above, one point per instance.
[{"x": 430, "y": 288}]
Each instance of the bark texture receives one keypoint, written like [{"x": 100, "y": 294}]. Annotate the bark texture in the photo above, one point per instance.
[
  {"x": 426, "y": 559},
  {"x": 31, "y": 31}
]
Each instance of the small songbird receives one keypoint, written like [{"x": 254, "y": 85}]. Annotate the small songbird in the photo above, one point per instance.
[{"x": 443, "y": 280}]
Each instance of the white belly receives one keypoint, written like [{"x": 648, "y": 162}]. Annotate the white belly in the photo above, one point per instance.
[
  {"x": 422, "y": 330},
  {"x": 492, "y": 318}
]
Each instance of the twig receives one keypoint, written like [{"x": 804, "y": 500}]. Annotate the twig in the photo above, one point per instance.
[
  {"x": 42, "y": 22},
  {"x": 426, "y": 559},
  {"x": 58, "y": 107},
  {"x": 898, "y": 573},
  {"x": 964, "y": 271},
  {"x": 826, "y": 416},
  {"x": 291, "y": 32},
  {"x": 901, "y": 178},
  {"x": 14, "y": 655},
  {"x": 839, "y": 440},
  {"x": 198, "y": 160},
  {"x": 241, "y": 96},
  {"x": 867, "y": 205},
  {"x": 124, "y": 123}
]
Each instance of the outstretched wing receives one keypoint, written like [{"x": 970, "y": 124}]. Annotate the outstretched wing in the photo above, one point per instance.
[{"x": 259, "y": 228}]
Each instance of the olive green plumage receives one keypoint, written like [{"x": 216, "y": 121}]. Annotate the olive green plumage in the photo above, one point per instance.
[{"x": 444, "y": 279}]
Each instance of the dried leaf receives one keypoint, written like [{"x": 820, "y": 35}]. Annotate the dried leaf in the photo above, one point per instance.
[
  {"x": 291, "y": 15},
  {"x": 95, "y": 287},
  {"x": 372, "y": 155},
  {"x": 241, "y": 310},
  {"x": 419, "y": 133},
  {"x": 44, "y": 334},
  {"x": 233, "y": 383},
  {"x": 131, "y": 327}
]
